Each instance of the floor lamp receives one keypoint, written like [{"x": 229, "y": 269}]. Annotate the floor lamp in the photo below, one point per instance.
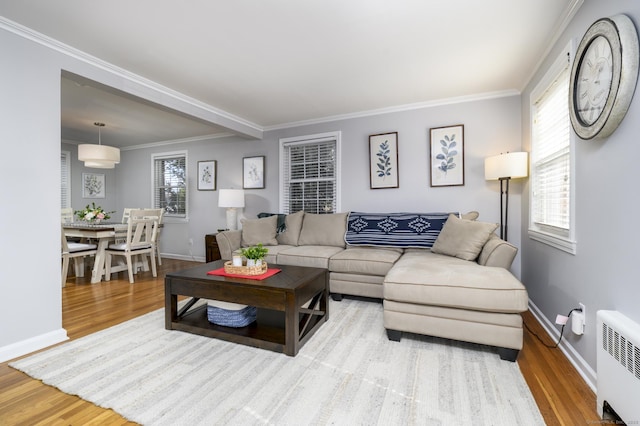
[
  {"x": 504, "y": 167},
  {"x": 232, "y": 199}
]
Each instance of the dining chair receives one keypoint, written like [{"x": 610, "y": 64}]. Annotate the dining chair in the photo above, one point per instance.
[
  {"x": 140, "y": 239},
  {"x": 157, "y": 214},
  {"x": 126, "y": 212},
  {"x": 66, "y": 215},
  {"x": 77, "y": 252}
]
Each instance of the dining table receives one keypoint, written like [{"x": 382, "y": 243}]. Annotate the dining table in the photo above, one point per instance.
[{"x": 103, "y": 233}]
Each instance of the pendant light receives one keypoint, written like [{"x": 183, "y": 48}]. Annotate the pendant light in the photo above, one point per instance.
[{"x": 99, "y": 156}]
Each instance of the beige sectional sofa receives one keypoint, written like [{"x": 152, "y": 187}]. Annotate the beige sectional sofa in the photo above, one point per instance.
[{"x": 459, "y": 288}]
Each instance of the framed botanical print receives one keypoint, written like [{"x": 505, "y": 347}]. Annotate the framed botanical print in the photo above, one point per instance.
[
  {"x": 93, "y": 185},
  {"x": 383, "y": 160},
  {"x": 253, "y": 172},
  {"x": 447, "y": 156},
  {"x": 207, "y": 175}
]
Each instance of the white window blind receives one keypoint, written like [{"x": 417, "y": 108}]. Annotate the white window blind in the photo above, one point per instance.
[
  {"x": 170, "y": 183},
  {"x": 65, "y": 179},
  {"x": 310, "y": 175},
  {"x": 551, "y": 174}
]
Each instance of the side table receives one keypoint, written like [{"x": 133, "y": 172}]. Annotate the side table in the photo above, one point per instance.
[{"x": 212, "y": 251}]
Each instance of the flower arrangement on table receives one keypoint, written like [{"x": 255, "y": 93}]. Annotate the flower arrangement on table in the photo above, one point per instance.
[{"x": 93, "y": 214}]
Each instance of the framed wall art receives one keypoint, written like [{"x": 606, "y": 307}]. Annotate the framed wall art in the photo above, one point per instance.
[
  {"x": 383, "y": 160},
  {"x": 447, "y": 156},
  {"x": 207, "y": 175},
  {"x": 253, "y": 172},
  {"x": 93, "y": 185}
]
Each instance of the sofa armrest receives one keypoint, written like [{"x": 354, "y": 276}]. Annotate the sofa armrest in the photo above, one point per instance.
[
  {"x": 228, "y": 242},
  {"x": 497, "y": 252}
]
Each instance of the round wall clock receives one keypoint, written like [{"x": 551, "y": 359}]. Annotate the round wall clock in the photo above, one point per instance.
[{"x": 603, "y": 77}]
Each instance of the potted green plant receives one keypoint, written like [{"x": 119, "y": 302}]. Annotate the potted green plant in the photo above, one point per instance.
[{"x": 254, "y": 254}]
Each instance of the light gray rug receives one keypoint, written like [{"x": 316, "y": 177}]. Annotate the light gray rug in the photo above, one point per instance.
[{"x": 348, "y": 373}]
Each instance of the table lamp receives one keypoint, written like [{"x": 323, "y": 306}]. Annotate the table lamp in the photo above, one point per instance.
[
  {"x": 504, "y": 167},
  {"x": 232, "y": 199}
]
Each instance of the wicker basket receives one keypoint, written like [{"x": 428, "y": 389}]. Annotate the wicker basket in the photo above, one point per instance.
[{"x": 245, "y": 270}]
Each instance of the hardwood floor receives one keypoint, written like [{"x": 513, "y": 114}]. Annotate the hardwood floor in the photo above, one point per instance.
[{"x": 561, "y": 394}]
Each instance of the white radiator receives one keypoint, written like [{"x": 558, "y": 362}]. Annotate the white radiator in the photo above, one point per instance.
[{"x": 618, "y": 365}]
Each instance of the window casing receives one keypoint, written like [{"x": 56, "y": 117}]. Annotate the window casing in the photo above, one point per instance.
[
  {"x": 310, "y": 173},
  {"x": 552, "y": 204},
  {"x": 65, "y": 179},
  {"x": 170, "y": 183}
]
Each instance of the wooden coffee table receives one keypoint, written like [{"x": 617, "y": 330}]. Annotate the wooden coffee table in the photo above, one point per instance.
[{"x": 285, "y": 322}]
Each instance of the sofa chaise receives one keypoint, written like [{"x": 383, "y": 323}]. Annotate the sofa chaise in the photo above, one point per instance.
[{"x": 438, "y": 274}]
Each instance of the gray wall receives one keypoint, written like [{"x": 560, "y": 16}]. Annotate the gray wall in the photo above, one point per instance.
[
  {"x": 491, "y": 126},
  {"x": 604, "y": 272}
]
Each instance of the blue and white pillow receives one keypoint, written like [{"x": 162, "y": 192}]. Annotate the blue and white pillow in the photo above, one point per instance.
[{"x": 394, "y": 229}]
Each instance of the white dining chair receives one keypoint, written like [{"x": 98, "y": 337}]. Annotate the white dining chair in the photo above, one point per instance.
[
  {"x": 126, "y": 212},
  {"x": 77, "y": 252},
  {"x": 66, "y": 215},
  {"x": 140, "y": 239}
]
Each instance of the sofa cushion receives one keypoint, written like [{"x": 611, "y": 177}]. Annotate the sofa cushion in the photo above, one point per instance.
[
  {"x": 497, "y": 252},
  {"x": 292, "y": 228},
  {"x": 323, "y": 230},
  {"x": 394, "y": 229},
  {"x": 259, "y": 231},
  {"x": 463, "y": 238},
  {"x": 364, "y": 260},
  {"x": 434, "y": 279},
  {"x": 310, "y": 256}
]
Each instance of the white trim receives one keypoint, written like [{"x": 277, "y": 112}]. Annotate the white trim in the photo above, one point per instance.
[
  {"x": 32, "y": 344},
  {"x": 160, "y": 155},
  {"x": 398, "y": 108},
  {"x": 251, "y": 129},
  {"x": 567, "y": 242},
  {"x": 587, "y": 373},
  {"x": 164, "y": 143},
  {"x": 318, "y": 137}
]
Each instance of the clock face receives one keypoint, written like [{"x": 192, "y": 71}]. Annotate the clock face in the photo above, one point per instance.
[{"x": 593, "y": 82}]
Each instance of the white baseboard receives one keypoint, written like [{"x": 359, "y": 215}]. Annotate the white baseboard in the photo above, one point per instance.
[
  {"x": 183, "y": 257},
  {"x": 32, "y": 344},
  {"x": 587, "y": 373}
]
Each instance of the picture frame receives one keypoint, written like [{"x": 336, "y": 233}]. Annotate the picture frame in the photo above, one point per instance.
[
  {"x": 383, "y": 161},
  {"x": 253, "y": 172},
  {"x": 93, "y": 185},
  {"x": 207, "y": 175},
  {"x": 447, "y": 156}
]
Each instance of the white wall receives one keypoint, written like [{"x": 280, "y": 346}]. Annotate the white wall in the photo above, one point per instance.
[{"x": 604, "y": 272}]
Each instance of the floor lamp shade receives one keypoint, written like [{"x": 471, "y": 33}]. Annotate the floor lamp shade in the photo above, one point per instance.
[
  {"x": 232, "y": 199},
  {"x": 504, "y": 167},
  {"x": 510, "y": 165}
]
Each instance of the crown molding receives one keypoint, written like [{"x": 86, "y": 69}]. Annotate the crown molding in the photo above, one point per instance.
[
  {"x": 164, "y": 143},
  {"x": 253, "y": 130},
  {"x": 398, "y": 108}
]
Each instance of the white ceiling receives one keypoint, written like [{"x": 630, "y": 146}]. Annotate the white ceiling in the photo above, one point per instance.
[{"x": 283, "y": 61}]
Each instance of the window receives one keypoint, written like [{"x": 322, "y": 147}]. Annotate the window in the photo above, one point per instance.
[
  {"x": 552, "y": 208},
  {"x": 310, "y": 173},
  {"x": 65, "y": 180},
  {"x": 170, "y": 183}
]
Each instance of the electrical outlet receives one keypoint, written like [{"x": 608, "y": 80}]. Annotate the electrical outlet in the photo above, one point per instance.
[{"x": 584, "y": 313}]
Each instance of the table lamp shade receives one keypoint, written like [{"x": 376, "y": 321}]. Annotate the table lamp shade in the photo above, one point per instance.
[
  {"x": 510, "y": 165},
  {"x": 231, "y": 198}
]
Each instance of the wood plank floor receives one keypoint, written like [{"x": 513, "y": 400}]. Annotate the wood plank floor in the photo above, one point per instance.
[{"x": 561, "y": 394}]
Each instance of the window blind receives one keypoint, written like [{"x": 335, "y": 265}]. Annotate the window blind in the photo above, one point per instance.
[
  {"x": 551, "y": 157},
  {"x": 65, "y": 179},
  {"x": 310, "y": 176},
  {"x": 170, "y": 184}
]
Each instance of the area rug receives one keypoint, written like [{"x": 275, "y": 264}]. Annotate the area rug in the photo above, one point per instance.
[{"x": 348, "y": 373}]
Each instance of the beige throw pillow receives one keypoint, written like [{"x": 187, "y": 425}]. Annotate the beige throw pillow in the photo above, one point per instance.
[
  {"x": 463, "y": 238},
  {"x": 472, "y": 215},
  {"x": 262, "y": 231},
  {"x": 292, "y": 227},
  {"x": 323, "y": 230}
]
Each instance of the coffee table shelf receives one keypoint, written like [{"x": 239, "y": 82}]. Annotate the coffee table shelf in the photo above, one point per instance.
[{"x": 285, "y": 321}]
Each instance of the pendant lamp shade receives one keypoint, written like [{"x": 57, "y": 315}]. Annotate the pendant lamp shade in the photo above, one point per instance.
[{"x": 99, "y": 156}]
